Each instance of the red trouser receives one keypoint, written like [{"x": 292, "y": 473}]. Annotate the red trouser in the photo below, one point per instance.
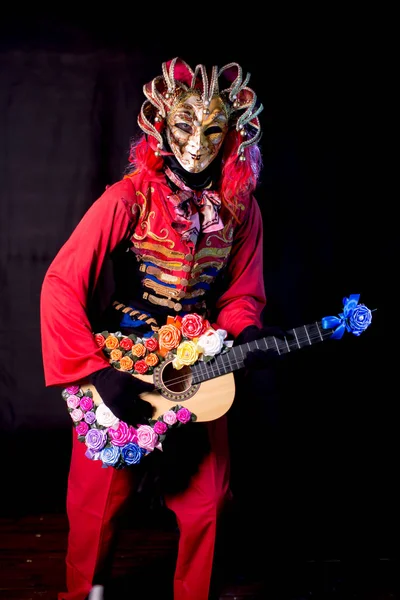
[{"x": 96, "y": 495}]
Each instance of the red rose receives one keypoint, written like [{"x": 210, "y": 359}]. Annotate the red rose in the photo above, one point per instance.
[
  {"x": 100, "y": 340},
  {"x": 126, "y": 344},
  {"x": 192, "y": 325},
  {"x": 141, "y": 366},
  {"x": 151, "y": 344}
]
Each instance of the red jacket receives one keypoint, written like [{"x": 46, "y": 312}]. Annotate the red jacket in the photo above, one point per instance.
[{"x": 175, "y": 274}]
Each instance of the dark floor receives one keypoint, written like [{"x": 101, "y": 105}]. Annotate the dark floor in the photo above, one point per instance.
[
  {"x": 325, "y": 532},
  {"x": 32, "y": 550}
]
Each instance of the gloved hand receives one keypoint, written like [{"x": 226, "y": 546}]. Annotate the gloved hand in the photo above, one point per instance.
[
  {"x": 120, "y": 393},
  {"x": 259, "y": 359}
]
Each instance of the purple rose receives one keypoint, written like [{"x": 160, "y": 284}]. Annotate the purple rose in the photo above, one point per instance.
[
  {"x": 86, "y": 403},
  {"x": 72, "y": 389},
  {"x": 96, "y": 439},
  {"x": 183, "y": 415},
  {"x": 169, "y": 417},
  {"x": 82, "y": 428},
  {"x": 76, "y": 414},
  {"x": 110, "y": 456},
  {"x": 160, "y": 427},
  {"x": 122, "y": 434},
  {"x": 90, "y": 417},
  {"x": 132, "y": 454}
]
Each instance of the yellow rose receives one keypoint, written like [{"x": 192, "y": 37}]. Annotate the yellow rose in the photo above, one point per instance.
[
  {"x": 176, "y": 363},
  {"x": 187, "y": 353}
]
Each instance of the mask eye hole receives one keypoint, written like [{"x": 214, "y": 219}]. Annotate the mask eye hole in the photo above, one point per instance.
[
  {"x": 212, "y": 130},
  {"x": 184, "y": 127}
]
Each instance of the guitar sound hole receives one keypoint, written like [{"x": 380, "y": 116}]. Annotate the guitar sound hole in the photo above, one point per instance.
[{"x": 176, "y": 380}]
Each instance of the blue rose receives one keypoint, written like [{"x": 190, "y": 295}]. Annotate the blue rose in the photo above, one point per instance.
[
  {"x": 359, "y": 319},
  {"x": 110, "y": 456},
  {"x": 131, "y": 453}
]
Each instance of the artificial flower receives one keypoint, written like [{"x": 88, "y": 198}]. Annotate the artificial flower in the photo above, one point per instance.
[
  {"x": 355, "y": 318},
  {"x": 187, "y": 354},
  {"x": 212, "y": 342},
  {"x": 105, "y": 417},
  {"x": 193, "y": 325},
  {"x": 114, "y": 442},
  {"x": 169, "y": 337}
]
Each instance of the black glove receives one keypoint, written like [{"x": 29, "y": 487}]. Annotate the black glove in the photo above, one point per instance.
[
  {"x": 184, "y": 448},
  {"x": 120, "y": 393},
  {"x": 259, "y": 359}
]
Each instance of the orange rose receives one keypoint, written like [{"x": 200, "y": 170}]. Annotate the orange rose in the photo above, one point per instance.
[
  {"x": 169, "y": 337},
  {"x": 116, "y": 354},
  {"x": 138, "y": 350},
  {"x": 126, "y": 363},
  {"x": 112, "y": 342},
  {"x": 152, "y": 359}
]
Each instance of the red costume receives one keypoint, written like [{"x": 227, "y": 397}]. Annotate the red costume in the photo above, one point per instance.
[{"x": 166, "y": 262}]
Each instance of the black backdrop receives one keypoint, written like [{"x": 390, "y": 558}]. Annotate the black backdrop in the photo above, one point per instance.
[{"x": 327, "y": 449}]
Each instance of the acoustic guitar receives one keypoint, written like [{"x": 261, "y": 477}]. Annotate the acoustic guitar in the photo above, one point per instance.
[{"x": 207, "y": 389}]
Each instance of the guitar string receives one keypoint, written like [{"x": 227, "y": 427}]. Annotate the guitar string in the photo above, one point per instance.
[{"x": 237, "y": 362}]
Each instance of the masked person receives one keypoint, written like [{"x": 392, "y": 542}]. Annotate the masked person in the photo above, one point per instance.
[{"x": 183, "y": 233}]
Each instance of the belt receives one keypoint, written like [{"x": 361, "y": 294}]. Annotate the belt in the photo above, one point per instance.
[{"x": 174, "y": 305}]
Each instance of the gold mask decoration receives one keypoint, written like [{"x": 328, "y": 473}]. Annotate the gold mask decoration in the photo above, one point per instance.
[
  {"x": 197, "y": 108},
  {"x": 195, "y": 135}
]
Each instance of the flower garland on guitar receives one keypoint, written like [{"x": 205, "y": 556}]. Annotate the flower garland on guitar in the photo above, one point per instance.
[{"x": 114, "y": 442}]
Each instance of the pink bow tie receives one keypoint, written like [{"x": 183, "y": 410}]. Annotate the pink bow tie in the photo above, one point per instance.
[{"x": 194, "y": 211}]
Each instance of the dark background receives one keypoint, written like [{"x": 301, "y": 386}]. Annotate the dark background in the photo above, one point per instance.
[{"x": 316, "y": 463}]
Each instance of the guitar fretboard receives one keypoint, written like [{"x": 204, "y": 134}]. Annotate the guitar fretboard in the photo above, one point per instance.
[{"x": 233, "y": 359}]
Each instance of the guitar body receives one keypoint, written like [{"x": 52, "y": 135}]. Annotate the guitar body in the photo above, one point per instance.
[{"x": 208, "y": 400}]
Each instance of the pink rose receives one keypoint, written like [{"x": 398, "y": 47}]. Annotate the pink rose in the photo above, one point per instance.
[
  {"x": 86, "y": 403},
  {"x": 73, "y": 401},
  {"x": 82, "y": 428},
  {"x": 169, "y": 417},
  {"x": 123, "y": 434},
  {"x": 72, "y": 389},
  {"x": 147, "y": 437},
  {"x": 160, "y": 427},
  {"x": 76, "y": 414},
  {"x": 183, "y": 415},
  {"x": 192, "y": 325}
]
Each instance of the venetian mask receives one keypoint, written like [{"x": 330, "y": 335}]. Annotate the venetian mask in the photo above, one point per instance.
[{"x": 196, "y": 131}]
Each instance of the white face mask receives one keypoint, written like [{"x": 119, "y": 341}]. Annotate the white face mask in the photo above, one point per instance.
[{"x": 195, "y": 135}]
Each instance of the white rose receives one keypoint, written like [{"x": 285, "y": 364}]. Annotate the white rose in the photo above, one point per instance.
[
  {"x": 211, "y": 342},
  {"x": 105, "y": 417}
]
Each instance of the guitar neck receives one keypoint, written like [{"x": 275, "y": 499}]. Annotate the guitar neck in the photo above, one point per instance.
[{"x": 233, "y": 360}]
